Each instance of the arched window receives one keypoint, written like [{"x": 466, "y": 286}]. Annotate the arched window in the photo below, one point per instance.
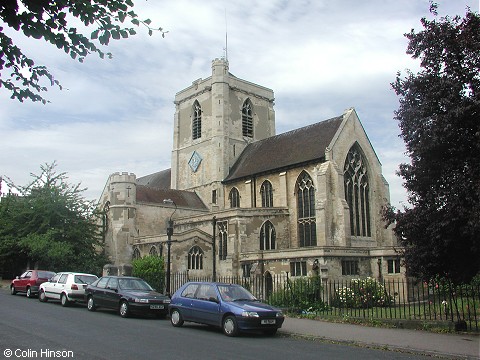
[
  {"x": 196, "y": 121},
  {"x": 153, "y": 251},
  {"x": 267, "y": 236},
  {"x": 222, "y": 239},
  {"x": 307, "y": 233},
  {"x": 247, "y": 119},
  {"x": 267, "y": 194},
  {"x": 355, "y": 176},
  {"x": 234, "y": 198},
  {"x": 195, "y": 258},
  {"x": 136, "y": 254}
]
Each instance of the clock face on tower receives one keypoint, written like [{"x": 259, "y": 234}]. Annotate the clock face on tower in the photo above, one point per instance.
[{"x": 195, "y": 161}]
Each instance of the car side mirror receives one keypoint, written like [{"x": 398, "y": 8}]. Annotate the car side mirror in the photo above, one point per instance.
[{"x": 213, "y": 299}]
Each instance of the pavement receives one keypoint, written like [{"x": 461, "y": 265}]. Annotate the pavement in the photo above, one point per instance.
[{"x": 453, "y": 346}]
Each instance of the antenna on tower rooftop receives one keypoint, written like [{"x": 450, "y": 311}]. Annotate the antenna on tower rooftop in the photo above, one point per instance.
[{"x": 225, "y": 49}]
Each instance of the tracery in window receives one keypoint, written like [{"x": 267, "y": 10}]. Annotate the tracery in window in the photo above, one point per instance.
[
  {"x": 234, "y": 198},
  {"x": 222, "y": 239},
  {"x": 266, "y": 192},
  {"x": 267, "y": 236},
  {"x": 136, "y": 254},
  {"x": 195, "y": 258},
  {"x": 307, "y": 233},
  {"x": 196, "y": 121},
  {"x": 247, "y": 119},
  {"x": 357, "y": 191},
  {"x": 153, "y": 251}
]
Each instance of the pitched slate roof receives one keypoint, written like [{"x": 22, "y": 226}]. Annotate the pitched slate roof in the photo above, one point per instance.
[
  {"x": 182, "y": 198},
  {"x": 155, "y": 188},
  {"x": 293, "y": 148},
  {"x": 160, "y": 180}
]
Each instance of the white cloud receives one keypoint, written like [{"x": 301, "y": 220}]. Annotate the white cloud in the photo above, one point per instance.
[{"x": 320, "y": 57}]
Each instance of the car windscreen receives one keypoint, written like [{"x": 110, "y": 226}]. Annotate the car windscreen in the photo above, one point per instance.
[
  {"x": 134, "y": 284},
  {"x": 84, "y": 279},
  {"x": 235, "y": 293}
]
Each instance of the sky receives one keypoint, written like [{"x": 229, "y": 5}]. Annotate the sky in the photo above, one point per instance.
[{"x": 320, "y": 57}]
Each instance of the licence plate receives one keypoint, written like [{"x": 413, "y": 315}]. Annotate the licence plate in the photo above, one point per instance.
[
  {"x": 157, "y": 307},
  {"x": 268, "y": 322}
]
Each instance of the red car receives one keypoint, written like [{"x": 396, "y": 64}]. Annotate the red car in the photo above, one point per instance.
[{"x": 30, "y": 281}]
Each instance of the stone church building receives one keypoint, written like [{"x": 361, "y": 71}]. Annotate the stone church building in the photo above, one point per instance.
[{"x": 302, "y": 201}]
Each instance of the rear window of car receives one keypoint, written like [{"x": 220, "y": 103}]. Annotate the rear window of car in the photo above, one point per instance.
[
  {"x": 190, "y": 290},
  {"x": 46, "y": 274},
  {"x": 102, "y": 282},
  {"x": 84, "y": 279}
]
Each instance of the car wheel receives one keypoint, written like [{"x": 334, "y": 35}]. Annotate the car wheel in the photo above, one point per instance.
[
  {"x": 64, "y": 300},
  {"x": 124, "y": 310},
  {"x": 42, "y": 297},
  {"x": 270, "y": 332},
  {"x": 91, "y": 304},
  {"x": 12, "y": 290},
  {"x": 176, "y": 318},
  {"x": 29, "y": 292},
  {"x": 230, "y": 327}
]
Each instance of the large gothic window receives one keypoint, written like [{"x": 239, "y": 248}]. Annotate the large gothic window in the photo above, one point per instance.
[
  {"x": 197, "y": 121},
  {"x": 222, "y": 239},
  {"x": 267, "y": 194},
  {"x": 234, "y": 198},
  {"x": 247, "y": 119},
  {"x": 136, "y": 254},
  {"x": 357, "y": 191},
  {"x": 195, "y": 258},
  {"x": 307, "y": 233},
  {"x": 267, "y": 236}
]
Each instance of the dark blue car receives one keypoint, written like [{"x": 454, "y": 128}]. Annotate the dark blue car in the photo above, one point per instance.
[{"x": 228, "y": 306}]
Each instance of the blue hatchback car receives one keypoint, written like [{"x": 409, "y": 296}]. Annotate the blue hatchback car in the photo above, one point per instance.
[{"x": 228, "y": 306}]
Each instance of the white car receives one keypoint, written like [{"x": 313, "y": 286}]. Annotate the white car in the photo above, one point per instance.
[{"x": 68, "y": 287}]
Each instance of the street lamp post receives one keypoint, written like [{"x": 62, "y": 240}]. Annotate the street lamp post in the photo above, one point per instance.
[{"x": 169, "y": 244}]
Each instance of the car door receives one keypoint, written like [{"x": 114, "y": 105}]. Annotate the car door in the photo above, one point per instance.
[
  {"x": 205, "y": 306},
  {"x": 111, "y": 295},
  {"x": 49, "y": 287},
  {"x": 59, "y": 286},
  {"x": 23, "y": 281},
  {"x": 185, "y": 301},
  {"x": 98, "y": 291}
]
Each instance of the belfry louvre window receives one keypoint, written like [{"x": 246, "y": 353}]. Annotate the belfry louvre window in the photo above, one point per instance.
[
  {"x": 247, "y": 119},
  {"x": 267, "y": 194},
  {"x": 222, "y": 239},
  {"x": 196, "y": 121},
  {"x": 267, "y": 236},
  {"x": 307, "y": 233},
  {"x": 234, "y": 198},
  {"x": 357, "y": 191},
  {"x": 195, "y": 258}
]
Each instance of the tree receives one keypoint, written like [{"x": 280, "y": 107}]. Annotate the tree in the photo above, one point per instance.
[
  {"x": 52, "y": 21},
  {"x": 439, "y": 118},
  {"x": 150, "y": 268},
  {"x": 50, "y": 225}
]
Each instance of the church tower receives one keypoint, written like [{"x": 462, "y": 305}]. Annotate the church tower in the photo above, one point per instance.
[{"x": 215, "y": 119}]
